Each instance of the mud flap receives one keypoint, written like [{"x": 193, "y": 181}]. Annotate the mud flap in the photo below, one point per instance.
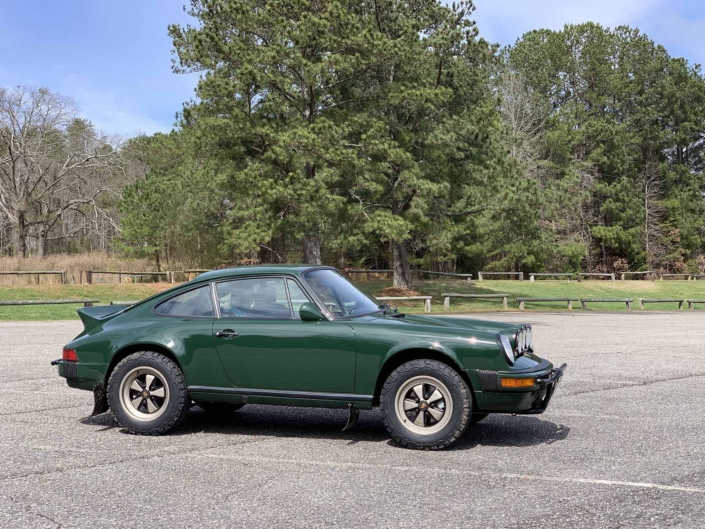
[
  {"x": 353, "y": 416},
  {"x": 100, "y": 400}
]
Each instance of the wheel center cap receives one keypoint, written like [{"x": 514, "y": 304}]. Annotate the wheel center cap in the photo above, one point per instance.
[
  {"x": 423, "y": 405},
  {"x": 145, "y": 393}
]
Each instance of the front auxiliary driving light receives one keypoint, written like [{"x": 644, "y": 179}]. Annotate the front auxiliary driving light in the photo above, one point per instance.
[
  {"x": 520, "y": 341},
  {"x": 507, "y": 349},
  {"x": 529, "y": 338},
  {"x": 518, "y": 382}
]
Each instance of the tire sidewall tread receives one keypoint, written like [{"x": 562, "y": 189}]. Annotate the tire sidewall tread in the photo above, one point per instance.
[
  {"x": 462, "y": 404},
  {"x": 179, "y": 400}
]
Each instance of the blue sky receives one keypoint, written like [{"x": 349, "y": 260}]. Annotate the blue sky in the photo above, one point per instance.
[{"x": 126, "y": 40}]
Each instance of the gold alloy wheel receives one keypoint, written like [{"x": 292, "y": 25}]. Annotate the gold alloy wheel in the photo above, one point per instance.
[
  {"x": 144, "y": 394},
  {"x": 423, "y": 405}
]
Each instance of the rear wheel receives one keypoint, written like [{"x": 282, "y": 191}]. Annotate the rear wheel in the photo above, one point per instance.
[
  {"x": 219, "y": 408},
  {"x": 147, "y": 393},
  {"x": 425, "y": 404}
]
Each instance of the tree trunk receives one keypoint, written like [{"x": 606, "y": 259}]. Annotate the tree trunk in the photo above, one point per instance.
[
  {"x": 156, "y": 258},
  {"x": 20, "y": 235},
  {"x": 42, "y": 247},
  {"x": 402, "y": 273},
  {"x": 312, "y": 248}
]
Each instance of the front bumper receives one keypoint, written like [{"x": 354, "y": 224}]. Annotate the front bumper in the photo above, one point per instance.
[{"x": 493, "y": 398}]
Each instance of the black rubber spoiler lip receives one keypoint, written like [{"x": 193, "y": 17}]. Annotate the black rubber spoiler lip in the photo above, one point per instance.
[{"x": 94, "y": 316}]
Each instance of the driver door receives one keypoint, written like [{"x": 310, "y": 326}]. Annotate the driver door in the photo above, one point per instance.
[{"x": 263, "y": 344}]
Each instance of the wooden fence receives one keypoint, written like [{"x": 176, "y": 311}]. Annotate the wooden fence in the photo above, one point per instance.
[{"x": 37, "y": 273}]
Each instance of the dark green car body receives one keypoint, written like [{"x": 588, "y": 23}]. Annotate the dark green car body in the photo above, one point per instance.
[{"x": 334, "y": 362}]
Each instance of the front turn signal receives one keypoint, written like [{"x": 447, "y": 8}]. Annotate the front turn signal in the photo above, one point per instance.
[{"x": 518, "y": 382}]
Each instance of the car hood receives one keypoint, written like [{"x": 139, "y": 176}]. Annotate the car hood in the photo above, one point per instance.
[{"x": 412, "y": 322}]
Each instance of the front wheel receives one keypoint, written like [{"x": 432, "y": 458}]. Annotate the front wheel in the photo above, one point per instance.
[
  {"x": 425, "y": 404},
  {"x": 147, "y": 393}
]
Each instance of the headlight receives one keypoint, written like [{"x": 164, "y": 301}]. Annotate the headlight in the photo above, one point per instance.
[
  {"x": 507, "y": 349},
  {"x": 519, "y": 340}
]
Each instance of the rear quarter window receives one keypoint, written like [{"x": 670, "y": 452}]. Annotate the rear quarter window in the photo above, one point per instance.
[{"x": 196, "y": 303}]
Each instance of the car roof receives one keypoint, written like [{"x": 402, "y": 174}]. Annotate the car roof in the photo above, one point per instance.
[{"x": 290, "y": 269}]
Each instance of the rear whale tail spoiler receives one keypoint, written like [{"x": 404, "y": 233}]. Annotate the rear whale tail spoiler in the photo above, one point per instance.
[{"x": 94, "y": 316}]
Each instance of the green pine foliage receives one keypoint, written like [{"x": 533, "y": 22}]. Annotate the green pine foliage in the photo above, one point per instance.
[{"x": 390, "y": 135}]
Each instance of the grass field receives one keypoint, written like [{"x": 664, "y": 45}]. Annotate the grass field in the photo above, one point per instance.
[
  {"x": 104, "y": 293},
  {"x": 548, "y": 289},
  {"x": 552, "y": 289}
]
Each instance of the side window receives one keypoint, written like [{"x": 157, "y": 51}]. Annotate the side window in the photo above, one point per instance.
[
  {"x": 194, "y": 303},
  {"x": 254, "y": 298},
  {"x": 297, "y": 295}
]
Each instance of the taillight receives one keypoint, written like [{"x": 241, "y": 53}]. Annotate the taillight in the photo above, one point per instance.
[{"x": 70, "y": 355}]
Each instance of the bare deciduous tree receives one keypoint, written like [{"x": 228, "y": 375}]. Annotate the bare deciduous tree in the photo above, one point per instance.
[
  {"x": 655, "y": 245},
  {"x": 523, "y": 121},
  {"x": 51, "y": 164}
]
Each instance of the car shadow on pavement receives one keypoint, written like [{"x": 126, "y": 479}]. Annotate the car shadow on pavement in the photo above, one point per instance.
[
  {"x": 275, "y": 421},
  {"x": 507, "y": 430}
]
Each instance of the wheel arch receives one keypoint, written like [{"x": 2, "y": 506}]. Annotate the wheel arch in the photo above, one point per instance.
[
  {"x": 406, "y": 355},
  {"x": 135, "y": 348}
]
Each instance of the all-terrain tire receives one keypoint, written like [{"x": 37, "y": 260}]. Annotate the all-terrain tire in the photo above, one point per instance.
[
  {"x": 401, "y": 387},
  {"x": 167, "y": 379}
]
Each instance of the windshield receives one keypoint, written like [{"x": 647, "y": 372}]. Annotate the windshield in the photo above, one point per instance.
[{"x": 339, "y": 296}]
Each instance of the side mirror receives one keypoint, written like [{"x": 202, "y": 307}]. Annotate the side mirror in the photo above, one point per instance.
[{"x": 309, "y": 312}]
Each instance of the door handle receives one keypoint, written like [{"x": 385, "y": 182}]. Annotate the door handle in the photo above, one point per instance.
[{"x": 227, "y": 333}]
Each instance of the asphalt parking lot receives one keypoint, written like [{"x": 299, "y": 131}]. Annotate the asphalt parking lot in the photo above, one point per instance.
[{"x": 622, "y": 445}]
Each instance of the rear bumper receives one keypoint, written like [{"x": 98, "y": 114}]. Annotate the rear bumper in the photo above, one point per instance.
[
  {"x": 493, "y": 398},
  {"x": 79, "y": 375}
]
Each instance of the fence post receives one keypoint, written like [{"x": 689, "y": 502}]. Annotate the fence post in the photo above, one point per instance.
[
  {"x": 446, "y": 303},
  {"x": 505, "y": 303},
  {"x": 612, "y": 276},
  {"x": 521, "y": 305},
  {"x": 521, "y": 276},
  {"x": 479, "y": 276},
  {"x": 570, "y": 305},
  {"x": 427, "y": 305},
  {"x": 64, "y": 280},
  {"x": 622, "y": 277},
  {"x": 579, "y": 278},
  {"x": 89, "y": 277}
]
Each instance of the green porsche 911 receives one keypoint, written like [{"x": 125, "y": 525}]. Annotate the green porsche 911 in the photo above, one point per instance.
[{"x": 300, "y": 335}]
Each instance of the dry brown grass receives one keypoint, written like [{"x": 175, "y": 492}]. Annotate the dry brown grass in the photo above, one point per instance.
[
  {"x": 398, "y": 292},
  {"x": 73, "y": 264}
]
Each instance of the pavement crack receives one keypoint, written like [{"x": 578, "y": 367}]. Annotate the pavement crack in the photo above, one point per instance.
[
  {"x": 133, "y": 459},
  {"x": 44, "y": 409},
  {"x": 633, "y": 385},
  {"x": 28, "y": 509}
]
